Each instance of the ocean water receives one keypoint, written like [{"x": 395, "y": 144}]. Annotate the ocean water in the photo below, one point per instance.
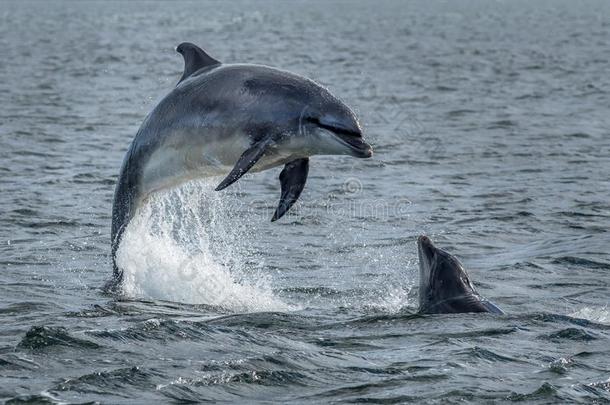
[{"x": 491, "y": 128}]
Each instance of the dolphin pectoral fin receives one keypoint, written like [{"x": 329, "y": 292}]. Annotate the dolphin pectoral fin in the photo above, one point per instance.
[
  {"x": 244, "y": 163},
  {"x": 293, "y": 179}
]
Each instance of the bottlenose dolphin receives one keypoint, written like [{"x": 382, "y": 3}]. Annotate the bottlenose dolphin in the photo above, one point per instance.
[
  {"x": 444, "y": 285},
  {"x": 232, "y": 118}
]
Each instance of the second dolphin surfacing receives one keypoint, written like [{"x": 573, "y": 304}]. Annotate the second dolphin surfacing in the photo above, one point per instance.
[
  {"x": 228, "y": 120},
  {"x": 444, "y": 285}
]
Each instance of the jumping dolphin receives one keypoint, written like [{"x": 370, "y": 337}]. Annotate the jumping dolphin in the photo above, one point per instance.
[
  {"x": 444, "y": 285},
  {"x": 232, "y": 119}
]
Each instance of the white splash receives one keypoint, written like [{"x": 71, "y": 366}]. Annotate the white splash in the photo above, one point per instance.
[
  {"x": 598, "y": 315},
  {"x": 186, "y": 245}
]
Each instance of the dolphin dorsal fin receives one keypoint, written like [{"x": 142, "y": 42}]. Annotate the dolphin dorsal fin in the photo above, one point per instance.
[{"x": 195, "y": 58}]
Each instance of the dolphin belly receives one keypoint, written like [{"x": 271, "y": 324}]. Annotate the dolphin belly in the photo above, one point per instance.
[{"x": 176, "y": 163}]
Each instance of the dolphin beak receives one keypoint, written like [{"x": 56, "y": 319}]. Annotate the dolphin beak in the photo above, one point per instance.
[
  {"x": 423, "y": 240},
  {"x": 425, "y": 250},
  {"x": 357, "y": 145},
  {"x": 348, "y": 131},
  {"x": 425, "y": 254}
]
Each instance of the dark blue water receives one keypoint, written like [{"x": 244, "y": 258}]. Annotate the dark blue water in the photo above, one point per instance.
[{"x": 491, "y": 132}]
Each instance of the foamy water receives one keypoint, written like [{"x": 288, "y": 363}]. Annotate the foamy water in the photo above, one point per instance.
[
  {"x": 183, "y": 245},
  {"x": 188, "y": 245},
  {"x": 599, "y": 315}
]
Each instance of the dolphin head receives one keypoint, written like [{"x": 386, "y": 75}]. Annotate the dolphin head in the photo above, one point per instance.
[
  {"x": 308, "y": 118},
  {"x": 334, "y": 128},
  {"x": 444, "y": 285}
]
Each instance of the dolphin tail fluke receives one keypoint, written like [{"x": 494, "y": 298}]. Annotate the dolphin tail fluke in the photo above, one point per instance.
[
  {"x": 293, "y": 179},
  {"x": 245, "y": 163}
]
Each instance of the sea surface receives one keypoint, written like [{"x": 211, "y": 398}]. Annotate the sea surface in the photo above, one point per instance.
[{"x": 490, "y": 122}]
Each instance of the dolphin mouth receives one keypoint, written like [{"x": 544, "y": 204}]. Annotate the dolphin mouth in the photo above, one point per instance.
[
  {"x": 349, "y": 135},
  {"x": 357, "y": 145}
]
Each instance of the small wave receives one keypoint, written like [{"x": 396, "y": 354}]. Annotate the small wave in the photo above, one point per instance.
[
  {"x": 181, "y": 393},
  {"x": 110, "y": 382},
  {"x": 155, "y": 329},
  {"x": 23, "y": 308},
  {"x": 40, "y": 337},
  {"x": 545, "y": 391},
  {"x": 597, "y": 315},
  {"x": 278, "y": 369},
  {"x": 263, "y": 377},
  {"x": 14, "y": 362},
  {"x": 579, "y": 135},
  {"x": 501, "y": 124},
  {"x": 460, "y": 112},
  {"x": 575, "y": 334},
  {"x": 403, "y": 316},
  {"x": 482, "y": 332},
  {"x": 601, "y": 388},
  {"x": 37, "y": 399},
  {"x": 486, "y": 354},
  {"x": 356, "y": 392},
  {"x": 266, "y": 320},
  {"x": 581, "y": 262},
  {"x": 185, "y": 389}
]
